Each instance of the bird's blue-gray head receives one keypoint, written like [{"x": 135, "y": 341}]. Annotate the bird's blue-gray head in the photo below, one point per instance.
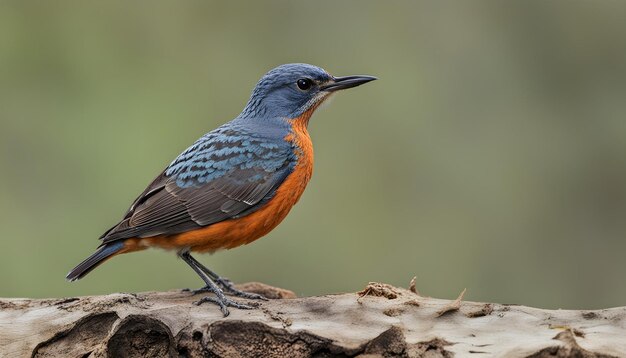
[{"x": 289, "y": 91}]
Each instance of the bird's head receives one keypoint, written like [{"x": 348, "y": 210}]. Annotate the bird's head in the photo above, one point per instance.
[{"x": 291, "y": 90}]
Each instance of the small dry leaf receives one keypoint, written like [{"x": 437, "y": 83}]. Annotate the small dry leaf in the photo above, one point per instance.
[{"x": 454, "y": 306}]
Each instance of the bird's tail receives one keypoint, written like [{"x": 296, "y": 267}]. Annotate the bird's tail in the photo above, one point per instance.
[{"x": 98, "y": 257}]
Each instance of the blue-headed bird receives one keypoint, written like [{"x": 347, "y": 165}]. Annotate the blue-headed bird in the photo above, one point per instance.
[{"x": 234, "y": 184}]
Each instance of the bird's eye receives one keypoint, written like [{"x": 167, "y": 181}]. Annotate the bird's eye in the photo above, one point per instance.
[{"x": 304, "y": 84}]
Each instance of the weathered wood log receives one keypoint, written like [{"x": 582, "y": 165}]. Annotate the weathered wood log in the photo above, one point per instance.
[{"x": 381, "y": 320}]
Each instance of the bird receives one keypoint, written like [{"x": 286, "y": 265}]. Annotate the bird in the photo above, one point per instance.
[{"x": 233, "y": 185}]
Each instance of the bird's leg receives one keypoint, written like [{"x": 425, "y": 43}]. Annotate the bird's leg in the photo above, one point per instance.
[
  {"x": 223, "y": 282},
  {"x": 222, "y": 301}
]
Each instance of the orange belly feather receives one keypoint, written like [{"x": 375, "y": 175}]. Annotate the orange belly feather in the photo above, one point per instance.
[{"x": 231, "y": 233}]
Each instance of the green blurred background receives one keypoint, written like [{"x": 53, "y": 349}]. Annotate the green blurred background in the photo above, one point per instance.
[{"x": 491, "y": 154}]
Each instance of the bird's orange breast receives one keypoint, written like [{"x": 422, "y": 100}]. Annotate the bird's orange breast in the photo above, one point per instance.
[{"x": 231, "y": 233}]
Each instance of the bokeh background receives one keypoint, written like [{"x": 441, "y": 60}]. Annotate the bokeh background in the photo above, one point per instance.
[{"x": 490, "y": 155}]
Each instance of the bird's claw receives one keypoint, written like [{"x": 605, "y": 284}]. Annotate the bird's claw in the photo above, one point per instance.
[
  {"x": 247, "y": 295},
  {"x": 229, "y": 288},
  {"x": 224, "y": 303}
]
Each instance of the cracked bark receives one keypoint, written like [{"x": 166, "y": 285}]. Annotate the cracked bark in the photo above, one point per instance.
[{"x": 379, "y": 321}]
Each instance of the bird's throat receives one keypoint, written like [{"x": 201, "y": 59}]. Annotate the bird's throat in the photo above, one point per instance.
[{"x": 301, "y": 122}]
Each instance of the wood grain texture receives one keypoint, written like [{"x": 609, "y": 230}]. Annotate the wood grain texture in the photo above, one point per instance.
[{"x": 381, "y": 320}]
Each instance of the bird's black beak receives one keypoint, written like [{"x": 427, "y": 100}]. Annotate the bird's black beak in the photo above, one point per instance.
[{"x": 340, "y": 83}]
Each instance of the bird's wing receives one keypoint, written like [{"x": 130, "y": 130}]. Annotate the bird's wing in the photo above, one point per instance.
[{"x": 227, "y": 173}]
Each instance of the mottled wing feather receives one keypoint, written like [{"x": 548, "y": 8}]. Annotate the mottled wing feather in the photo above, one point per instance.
[
  {"x": 229, "y": 195},
  {"x": 227, "y": 173}
]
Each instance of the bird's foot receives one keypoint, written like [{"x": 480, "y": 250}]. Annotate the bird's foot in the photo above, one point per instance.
[
  {"x": 223, "y": 302},
  {"x": 229, "y": 288}
]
